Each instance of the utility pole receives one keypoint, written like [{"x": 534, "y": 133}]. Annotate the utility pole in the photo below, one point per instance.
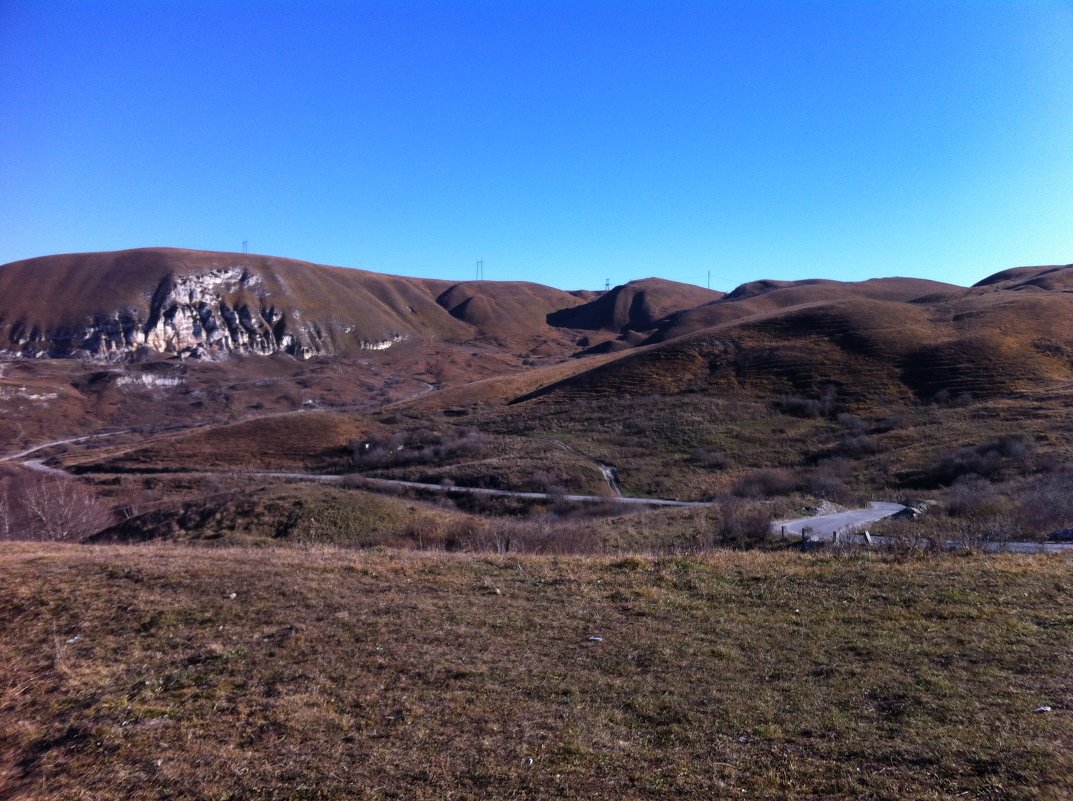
[{"x": 245, "y": 246}]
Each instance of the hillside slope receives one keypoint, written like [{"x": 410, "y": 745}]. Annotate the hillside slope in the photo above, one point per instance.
[
  {"x": 201, "y": 303},
  {"x": 892, "y": 340}
]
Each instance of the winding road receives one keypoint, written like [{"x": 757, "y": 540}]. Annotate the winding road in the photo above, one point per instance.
[
  {"x": 851, "y": 527},
  {"x": 20, "y": 456},
  {"x": 825, "y": 527},
  {"x": 848, "y": 526},
  {"x": 391, "y": 483}
]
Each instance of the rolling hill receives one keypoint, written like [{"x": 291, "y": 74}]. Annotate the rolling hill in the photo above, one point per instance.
[
  {"x": 884, "y": 340},
  {"x": 683, "y": 390},
  {"x": 119, "y": 305}
]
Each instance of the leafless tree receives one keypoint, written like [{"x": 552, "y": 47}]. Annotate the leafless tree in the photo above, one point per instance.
[{"x": 64, "y": 510}]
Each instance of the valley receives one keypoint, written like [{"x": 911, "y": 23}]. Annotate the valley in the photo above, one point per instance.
[
  {"x": 500, "y": 540},
  {"x": 768, "y": 401}
]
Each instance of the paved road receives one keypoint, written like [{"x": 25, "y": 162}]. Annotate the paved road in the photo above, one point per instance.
[
  {"x": 824, "y": 527},
  {"x": 849, "y": 526},
  {"x": 12, "y": 457},
  {"x": 388, "y": 483}
]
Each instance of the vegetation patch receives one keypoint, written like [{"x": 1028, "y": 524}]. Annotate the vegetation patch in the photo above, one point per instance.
[{"x": 327, "y": 673}]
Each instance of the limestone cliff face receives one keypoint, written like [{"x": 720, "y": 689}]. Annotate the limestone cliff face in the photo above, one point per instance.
[
  {"x": 209, "y": 314},
  {"x": 221, "y": 312}
]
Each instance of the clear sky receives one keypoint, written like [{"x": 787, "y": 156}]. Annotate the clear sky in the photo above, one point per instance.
[{"x": 562, "y": 142}]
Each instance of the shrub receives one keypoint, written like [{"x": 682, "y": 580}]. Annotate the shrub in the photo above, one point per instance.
[
  {"x": 851, "y": 422},
  {"x": 944, "y": 397},
  {"x": 975, "y": 498},
  {"x": 742, "y": 524},
  {"x": 536, "y": 536},
  {"x": 1046, "y": 505},
  {"x": 800, "y": 407},
  {"x": 828, "y": 480},
  {"x": 713, "y": 460},
  {"x": 823, "y": 406},
  {"x": 892, "y": 422},
  {"x": 856, "y": 445},
  {"x": 419, "y": 445},
  {"x": 985, "y": 460},
  {"x": 765, "y": 483}
]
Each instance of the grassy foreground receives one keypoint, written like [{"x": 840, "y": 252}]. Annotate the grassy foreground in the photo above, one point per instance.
[{"x": 178, "y": 672}]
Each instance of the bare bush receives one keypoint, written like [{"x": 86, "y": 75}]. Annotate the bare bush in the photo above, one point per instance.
[
  {"x": 1047, "y": 505},
  {"x": 547, "y": 481},
  {"x": 765, "y": 483},
  {"x": 714, "y": 460},
  {"x": 851, "y": 422},
  {"x": 855, "y": 445},
  {"x": 53, "y": 509},
  {"x": 823, "y": 406},
  {"x": 892, "y": 422},
  {"x": 985, "y": 460},
  {"x": 828, "y": 480},
  {"x": 944, "y": 397},
  {"x": 975, "y": 498},
  {"x": 742, "y": 524},
  {"x": 801, "y": 407},
  {"x": 543, "y": 535},
  {"x": 419, "y": 445},
  {"x": 14, "y": 520}
]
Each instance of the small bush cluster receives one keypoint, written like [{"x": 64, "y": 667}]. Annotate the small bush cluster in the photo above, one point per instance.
[
  {"x": 1047, "y": 505},
  {"x": 742, "y": 524},
  {"x": 985, "y": 460},
  {"x": 766, "y": 483},
  {"x": 419, "y": 445},
  {"x": 534, "y": 536},
  {"x": 826, "y": 480},
  {"x": 823, "y": 406},
  {"x": 713, "y": 460},
  {"x": 944, "y": 397}
]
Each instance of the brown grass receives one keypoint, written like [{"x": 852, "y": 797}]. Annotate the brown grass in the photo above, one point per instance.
[
  {"x": 168, "y": 672},
  {"x": 301, "y": 441}
]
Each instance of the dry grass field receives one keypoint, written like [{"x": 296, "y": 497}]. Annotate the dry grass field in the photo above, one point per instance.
[{"x": 171, "y": 672}]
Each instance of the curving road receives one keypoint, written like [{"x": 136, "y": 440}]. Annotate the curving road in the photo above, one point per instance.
[
  {"x": 389, "y": 483},
  {"x": 847, "y": 526},
  {"x": 14, "y": 457},
  {"x": 825, "y": 527},
  {"x": 851, "y": 525}
]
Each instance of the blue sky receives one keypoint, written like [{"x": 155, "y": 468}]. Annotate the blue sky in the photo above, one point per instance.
[{"x": 562, "y": 142}]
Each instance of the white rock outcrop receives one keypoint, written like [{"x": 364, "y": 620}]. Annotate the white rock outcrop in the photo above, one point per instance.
[{"x": 209, "y": 314}]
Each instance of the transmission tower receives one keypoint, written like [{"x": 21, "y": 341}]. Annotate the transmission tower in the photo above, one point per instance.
[
  {"x": 245, "y": 246},
  {"x": 607, "y": 284},
  {"x": 480, "y": 269}
]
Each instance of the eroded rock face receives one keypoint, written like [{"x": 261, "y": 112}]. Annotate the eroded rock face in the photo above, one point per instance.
[
  {"x": 191, "y": 315},
  {"x": 211, "y": 314}
]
